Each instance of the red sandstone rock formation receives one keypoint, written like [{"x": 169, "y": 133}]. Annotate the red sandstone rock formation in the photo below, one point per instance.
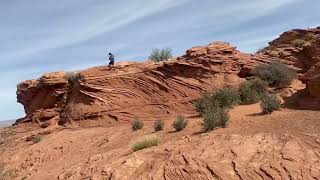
[
  {"x": 297, "y": 48},
  {"x": 312, "y": 79},
  {"x": 148, "y": 90},
  {"x": 144, "y": 90}
]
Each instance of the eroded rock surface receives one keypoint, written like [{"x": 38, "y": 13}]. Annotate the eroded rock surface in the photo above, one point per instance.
[
  {"x": 147, "y": 90},
  {"x": 312, "y": 79},
  {"x": 144, "y": 90},
  {"x": 226, "y": 157},
  {"x": 297, "y": 48}
]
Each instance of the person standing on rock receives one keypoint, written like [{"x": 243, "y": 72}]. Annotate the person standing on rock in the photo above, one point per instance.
[{"x": 111, "y": 59}]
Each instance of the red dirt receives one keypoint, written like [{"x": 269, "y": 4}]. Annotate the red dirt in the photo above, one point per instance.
[
  {"x": 284, "y": 144},
  {"x": 86, "y": 134}
]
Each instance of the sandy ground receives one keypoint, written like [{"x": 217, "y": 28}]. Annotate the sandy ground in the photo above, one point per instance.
[{"x": 105, "y": 152}]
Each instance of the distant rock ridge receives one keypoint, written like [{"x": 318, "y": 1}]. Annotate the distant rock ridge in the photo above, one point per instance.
[
  {"x": 5, "y": 123},
  {"x": 299, "y": 49},
  {"x": 150, "y": 90}
]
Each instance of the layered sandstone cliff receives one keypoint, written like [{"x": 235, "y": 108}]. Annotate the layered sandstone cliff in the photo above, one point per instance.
[
  {"x": 149, "y": 90},
  {"x": 144, "y": 90}
]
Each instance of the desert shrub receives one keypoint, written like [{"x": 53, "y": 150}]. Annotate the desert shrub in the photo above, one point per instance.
[
  {"x": 145, "y": 142},
  {"x": 6, "y": 174},
  {"x": 215, "y": 117},
  {"x": 158, "y": 55},
  {"x": 270, "y": 103},
  {"x": 72, "y": 77},
  {"x": 180, "y": 123},
  {"x": 224, "y": 98},
  {"x": 261, "y": 50},
  {"x": 158, "y": 125},
  {"x": 3, "y": 140},
  {"x": 24, "y": 178},
  {"x": 36, "y": 138},
  {"x": 137, "y": 124},
  {"x": 275, "y": 73},
  {"x": 298, "y": 42},
  {"x": 204, "y": 103},
  {"x": 252, "y": 90}
]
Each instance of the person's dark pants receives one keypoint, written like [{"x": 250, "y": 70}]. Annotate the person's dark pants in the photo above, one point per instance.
[{"x": 111, "y": 63}]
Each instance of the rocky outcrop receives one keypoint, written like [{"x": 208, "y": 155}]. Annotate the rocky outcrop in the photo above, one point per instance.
[
  {"x": 300, "y": 49},
  {"x": 222, "y": 157},
  {"x": 144, "y": 90},
  {"x": 147, "y": 90},
  {"x": 312, "y": 80},
  {"x": 44, "y": 98},
  {"x": 297, "y": 48}
]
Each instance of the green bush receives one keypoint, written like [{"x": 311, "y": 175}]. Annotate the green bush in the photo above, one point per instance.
[
  {"x": 137, "y": 124},
  {"x": 36, "y": 138},
  {"x": 252, "y": 90},
  {"x": 72, "y": 77},
  {"x": 205, "y": 102},
  {"x": 158, "y": 55},
  {"x": 180, "y": 123},
  {"x": 275, "y": 73},
  {"x": 270, "y": 103},
  {"x": 158, "y": 125},
  {"x": 224, "y": 98},
  {"x": 6, "y": 174},
  {"x": 298, "y": 42},
  {"x": 3, "y": 140},
  {"x": 215, "y": 117},
  {"x": 145, "y": 142}
]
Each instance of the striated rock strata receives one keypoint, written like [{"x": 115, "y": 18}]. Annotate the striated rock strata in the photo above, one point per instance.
[
  {"x": 151, "y": 90},
  {"x": 143, "y": 90}
]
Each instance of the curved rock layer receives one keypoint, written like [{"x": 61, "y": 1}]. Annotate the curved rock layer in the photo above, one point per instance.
[
  {"x": 143, "y": 90},
  {"x": 220, "y": 157},
  {"x": 153, "y": 90},
  {"x": 298, "y": 48}
]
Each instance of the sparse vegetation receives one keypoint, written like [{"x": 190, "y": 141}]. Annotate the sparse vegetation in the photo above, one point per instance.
[
  {"x": 72, "y": 77},
  {"x": 24, "y": 178},
  {"x": 180, "y": 123},
  {"x": 146, "y": 142},
  {"x": 298, "y": 42},
  {"x": 3, "y": 140},
  {"x": 6, "y": 174},
  {"x": 214, "y": 108},
  {"x": 224, "y": 98},
  {"x": 261, "y": 50},
  {"x": 270, "y": 103},
  {"x": 275, "y": 73},
  {"x": 252, "y": 90},
  {"x": 215, "y": 117},
  {"x": 137, "y": 124},
  {"x": 36, "y": 138},
  {"x": 158, "y": 125},
  {"x": 158, "y": 55}
]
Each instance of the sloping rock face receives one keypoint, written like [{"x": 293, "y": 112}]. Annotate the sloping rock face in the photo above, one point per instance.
[
  {"x": 44, "y": 98},
  {"x": 149, "y": 90},
  {"x": 143, "y": 90},
  {"x": 212, "y": 157},
  {"x": 297, "y": 48},
  {"x": 312, "y": 79},
  {"x": 300, "y": 49}
]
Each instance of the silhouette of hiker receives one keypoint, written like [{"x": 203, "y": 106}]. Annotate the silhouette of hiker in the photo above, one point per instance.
[{"x": 111, "y": 59}]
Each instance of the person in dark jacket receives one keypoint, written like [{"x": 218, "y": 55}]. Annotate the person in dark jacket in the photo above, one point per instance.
[{"x": 111, "y": 60}]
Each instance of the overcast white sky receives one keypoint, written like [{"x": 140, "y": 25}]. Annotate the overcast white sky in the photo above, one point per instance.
[{"x": 39, "y": 36}]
